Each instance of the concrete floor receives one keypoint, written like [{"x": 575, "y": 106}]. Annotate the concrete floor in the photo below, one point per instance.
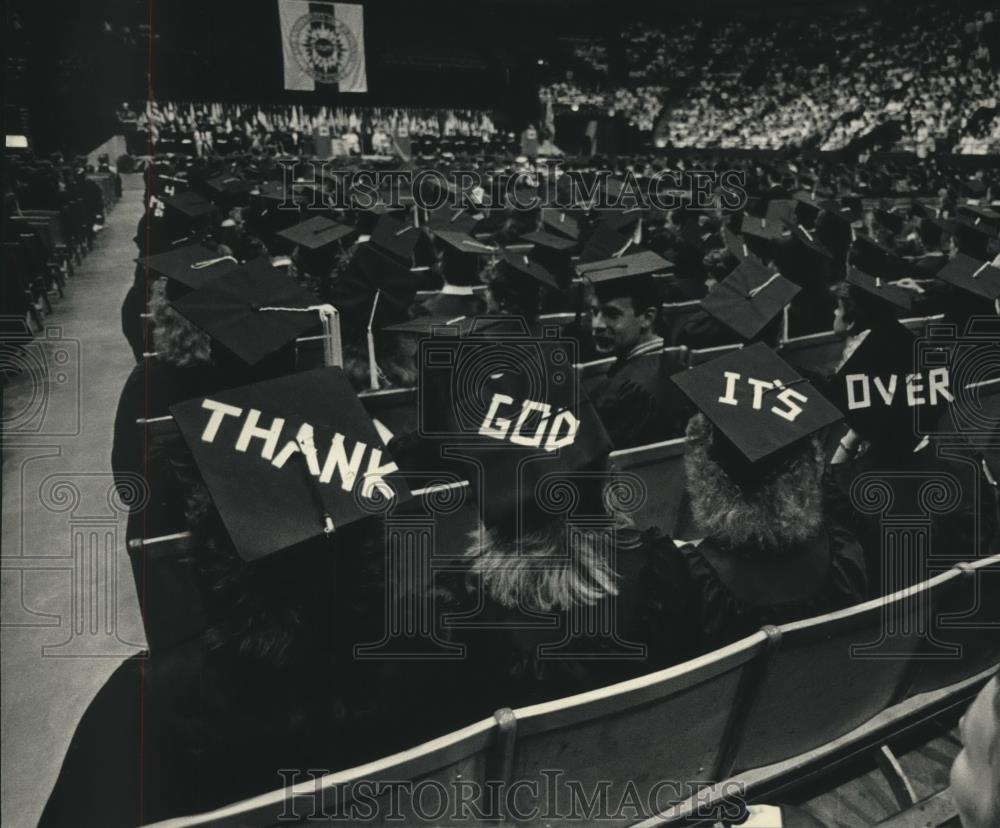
[{"x": 69, "y": 613}]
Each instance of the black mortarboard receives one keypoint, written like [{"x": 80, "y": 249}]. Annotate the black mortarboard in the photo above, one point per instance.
[
  {"x": 973, "y": 276},
  {"x": 461, "y": 256},
  {"x": 749, "y": 298},
  {"x": 873, "y": 391},
  {"x": 369, "y": 272},
  {"x": 559, "y": 221},
  {"x": 604, "y": 243},
  {"x": 189, "y": 204},
  {"x": 235, "y": 310},
  {"x": 402, "y": 240},
  {"x": 191, "y": 265},
  {"x": 805, "y": 241},
  {"x": 426, "y": 325},
  {"x": 450, "y": 218},
  {"x": 759, "y": 405},
  {"x": 762, "y": 228},
  {"x": 537, "y": 426},
  {"x": 643, "y": 263},
  {"x": 524, "y": 265},
  {"x": 289, "y": 460},
  {"x": 873, "y": 257},
  {"x": 316, "y": 233},
  {"x": 880, "y": 289},
  {"x": 975, "y": 230},
  {"x": 893, "y": 222}
]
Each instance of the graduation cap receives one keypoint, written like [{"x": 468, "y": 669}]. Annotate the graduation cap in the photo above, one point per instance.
[
  {"x": 880, "y": 385},
  {"x": 762, "y": 228},
  {"x": 521, "y": 264},
  {"x": 426, "y": 325},
  {"x": 807, "y": 208},
  {"x": 230, "y": 185},
  {"x": 537, "y": 426},
  {"x": 316, "y": 234},
  {"x": 875, "y": 287},
  {"x": 189, "y": 205},
  {"x": 749, "y": 298},
  {"x": 874, "y": 257},
  {"x": 289, "y": 460},
  {"x": 561, "y": 222},
  {"x": 893, "y": 222},
  {"x": 806, "y": 242},
  {"x": 604, "y": 243},
  {"x": 401, "y": 240},
  {"x": 190, "y": 266},
  {"x": 972, "y": 276},
  {"x": 372, "y": 273},
  {"x": 761, "y": 408},
  {"x": 449, "y": 218},
  {"x": 254, "y": 310},
  {"x": 555, "y": 252},
  {"x": 643, "y": 263}
]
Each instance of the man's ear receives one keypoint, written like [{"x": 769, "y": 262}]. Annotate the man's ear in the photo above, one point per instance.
[{"x": 648, "y": 318}]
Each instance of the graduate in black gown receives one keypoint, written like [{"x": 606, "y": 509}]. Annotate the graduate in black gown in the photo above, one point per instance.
[
  {"x": 289, "y": 567},
  {"x": 770, "y": 552},
  {"x": 635, "y": 403},
  {"x": 554, "y": 548}
]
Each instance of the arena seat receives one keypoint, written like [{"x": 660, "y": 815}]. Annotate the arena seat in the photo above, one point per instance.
[
  {"x": 812, "y": 351},
  {"x": 699, "y": 356},
  {"x": 830, "y": 674},
  {"x": 395, "y": 408},
  {"x": 591, "y": 374},
  {"x": 966, "y": 615},
  {"x": 660, "y": 466},
  {"x": 462, "y": 760},
  {"x": 663, "y": 733},
  {"x": 674, "y": 316}
]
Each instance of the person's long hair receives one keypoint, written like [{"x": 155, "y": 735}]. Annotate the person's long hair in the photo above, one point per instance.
[
  {"x": 175, "y": 340},
  {"x": 546, "y": 566},
  {"x": 785, "y": 508}
]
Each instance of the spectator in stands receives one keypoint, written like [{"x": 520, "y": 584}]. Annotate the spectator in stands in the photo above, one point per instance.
[
  {"x": 770, "y": 551},
  {"x": 975, "y": 775}
]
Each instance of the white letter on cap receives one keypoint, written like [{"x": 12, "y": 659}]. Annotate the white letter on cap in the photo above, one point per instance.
[
  {"x": 937, "y": 382},
  {"x": 886, "y": 393},
  {"x": 914, "y": 385},
  {"x": 852, "y": 399},
  {"x": 502, "y": 425},
  {"x": 529, "y": 406},
  {"x": 336, "y": 460},
  {"x": 268, "y": 435},
  {"x": 729, "y": 398},
  {"x": 375, "y": 473},
  {"x": 219, "y": 411},
  {"x": 794, "y": 409},
  {"x": 572, "y": 427},
  {"x": 759, "y": 387}
]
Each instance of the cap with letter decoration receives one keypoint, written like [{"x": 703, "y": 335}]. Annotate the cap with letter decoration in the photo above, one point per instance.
[
  {"x": 749, "y": 298},
  {"x": 536, "y": 426},
  {"x": 880, "y": 385},
  {"x": 874, "y": 286},
  {"x": 253, "y": 311},
  {"x": 316, "y": 234},
  {"x": 761, "y": 408},
  {"x": 285, "y": 466},
  {"x": 191, "y": 265}
]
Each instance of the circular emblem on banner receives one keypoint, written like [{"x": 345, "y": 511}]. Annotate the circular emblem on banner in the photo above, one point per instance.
[{"x": 324, "y": 47}]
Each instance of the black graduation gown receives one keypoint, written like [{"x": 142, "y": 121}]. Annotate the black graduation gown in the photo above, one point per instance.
[
  {"x": 959, "y": 534},
  {"x": 738, "y": 591},
  {"x": 654, "y": 629},
  {"x": 636, "y": 403}
]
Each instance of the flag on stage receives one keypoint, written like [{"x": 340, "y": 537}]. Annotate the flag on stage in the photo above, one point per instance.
[{"x": 323, "y": 45}]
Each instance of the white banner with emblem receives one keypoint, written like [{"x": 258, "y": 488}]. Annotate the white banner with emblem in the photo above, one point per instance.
[{"x": 323, "y": 45}]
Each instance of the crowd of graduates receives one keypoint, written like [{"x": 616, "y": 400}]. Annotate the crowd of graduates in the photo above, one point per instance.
[{"x": 281, "y": 472}]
